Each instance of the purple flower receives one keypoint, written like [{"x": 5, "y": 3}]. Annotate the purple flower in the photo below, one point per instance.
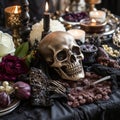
[{"x": 11, "y": 67}]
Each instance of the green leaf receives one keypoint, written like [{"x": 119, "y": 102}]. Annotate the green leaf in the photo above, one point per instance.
[{"x": 22, "y": 50}]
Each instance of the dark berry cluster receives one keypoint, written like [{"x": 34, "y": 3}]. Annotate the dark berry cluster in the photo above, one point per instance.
[{"x": 75, "y": 17}]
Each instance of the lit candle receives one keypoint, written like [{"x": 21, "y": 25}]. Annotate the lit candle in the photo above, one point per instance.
[
  {"x": 13, "y": 9},
  {"x": 16, "y": 10},
  {"x": 92, "y": 26},
  {"x": 79, "y": 35},
  {"x": 12, "y": 15},
  {"x": 98, "y": 15},
  {"x": 13, "y": 21},
  {"x": 93, "y": 22},
  {"x": 46, "y": 18}
]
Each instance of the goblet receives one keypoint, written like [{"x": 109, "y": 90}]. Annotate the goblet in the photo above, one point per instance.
[
  {"x": 92, "y": 3},
  {"x": 12, "y": 20}
]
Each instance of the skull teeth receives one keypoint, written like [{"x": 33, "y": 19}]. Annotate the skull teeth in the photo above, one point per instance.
[{"x": 73, "y": 70}]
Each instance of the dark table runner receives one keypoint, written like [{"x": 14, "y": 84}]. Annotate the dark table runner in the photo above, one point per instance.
[{"x": 101, "y": 110}]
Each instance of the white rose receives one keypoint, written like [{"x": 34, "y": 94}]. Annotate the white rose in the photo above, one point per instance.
[
  {"x": 6, "y": 45},
  {"x": 37, "y": 29}
]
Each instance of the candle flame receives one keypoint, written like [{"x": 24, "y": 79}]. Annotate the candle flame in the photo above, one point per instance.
[
  {"x": 16, "y": 9},
  {"x": 93, "y": 20},
  {"x": 46, "y": 6},
  {"x": 67, "y": 9}
]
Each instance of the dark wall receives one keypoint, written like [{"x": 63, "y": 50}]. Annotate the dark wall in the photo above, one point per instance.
[{"x": 112, "y": 5}]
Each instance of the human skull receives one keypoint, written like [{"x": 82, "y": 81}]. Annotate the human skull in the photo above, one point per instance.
[{"x": 63, "y": 54}]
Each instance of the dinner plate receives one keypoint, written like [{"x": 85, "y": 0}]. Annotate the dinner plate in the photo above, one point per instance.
[
  {"x": 14, "y": 103},
  {"x": 10, "y": 108}
]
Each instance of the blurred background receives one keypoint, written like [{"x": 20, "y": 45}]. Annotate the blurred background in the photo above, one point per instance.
[
  {"x": 37, "y": 6},
  {"x": 112, "y": 5}
]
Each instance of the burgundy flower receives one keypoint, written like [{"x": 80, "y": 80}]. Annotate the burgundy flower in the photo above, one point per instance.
[{"x": 11, "y": 67}]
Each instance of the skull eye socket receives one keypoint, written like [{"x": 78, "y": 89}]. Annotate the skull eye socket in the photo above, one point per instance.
[
  {"x": 76, "y": 50},
  {"x": 61, "y": 55}
]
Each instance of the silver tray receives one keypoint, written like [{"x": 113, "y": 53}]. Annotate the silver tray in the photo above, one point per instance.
[
  {"x": 68, "y": 22},
  {"x": 109, "y": 28}
]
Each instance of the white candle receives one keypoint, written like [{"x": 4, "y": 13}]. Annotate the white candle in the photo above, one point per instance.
[
  {"x": 98, "y": 15},
  {"x": 78, "y": 34}
]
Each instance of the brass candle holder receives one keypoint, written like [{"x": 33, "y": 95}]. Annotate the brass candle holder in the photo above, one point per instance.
[
  {"x": 92, "y": 26},
  {"x": 12, "y": 20},
  {"x": 92, "y": 3}
]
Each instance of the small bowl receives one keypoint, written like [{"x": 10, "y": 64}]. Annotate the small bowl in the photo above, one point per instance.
[{"x": 89, "y": 51}]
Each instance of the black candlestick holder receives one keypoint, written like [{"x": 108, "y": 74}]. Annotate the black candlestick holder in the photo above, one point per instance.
[
  {"x": 44, "y": 33},
  {"x": 25, "y": 18},
  {"x": 46, "y": 25},
  {"x": 46, "y": 22}
]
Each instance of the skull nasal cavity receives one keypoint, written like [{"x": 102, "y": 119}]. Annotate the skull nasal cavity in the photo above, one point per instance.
[{"x": 72, "y": 58}]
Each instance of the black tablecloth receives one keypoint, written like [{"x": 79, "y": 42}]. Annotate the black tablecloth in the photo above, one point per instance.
[{"x": 100, "y": 110}]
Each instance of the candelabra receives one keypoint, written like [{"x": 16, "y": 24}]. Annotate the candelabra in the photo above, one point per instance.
[{"x": 25, "y": 17}]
